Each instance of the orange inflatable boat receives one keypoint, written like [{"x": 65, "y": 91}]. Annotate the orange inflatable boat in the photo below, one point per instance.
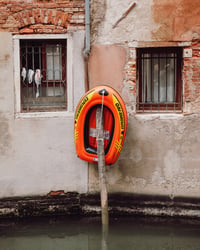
[{"x": 114, "y": 124}]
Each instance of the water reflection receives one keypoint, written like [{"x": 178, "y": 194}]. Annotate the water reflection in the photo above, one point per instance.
[{"x": 86, "y": 234}]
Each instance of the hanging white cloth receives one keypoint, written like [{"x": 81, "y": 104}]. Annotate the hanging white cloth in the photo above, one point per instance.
[
  {"x": 38, "y": 78},
  {"x": 23, "y": 74},
  {"x": 30, "y": 76}
]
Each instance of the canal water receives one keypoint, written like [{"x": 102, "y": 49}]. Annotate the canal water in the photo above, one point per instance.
[{"x": 86, "y": 234}]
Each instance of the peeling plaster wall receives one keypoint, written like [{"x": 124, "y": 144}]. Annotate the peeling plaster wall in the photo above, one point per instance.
[
  {"x": 148, "y": 20},
  {"x": 129, "y": 28},
  {"x": 178, "y": 20},
  {"x": 161, "y": 151}
]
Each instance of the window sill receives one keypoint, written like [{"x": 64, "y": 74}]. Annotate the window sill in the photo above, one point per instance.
[
  {"x": 163, "y": 116},
  {"x": 57, "y": 114}
]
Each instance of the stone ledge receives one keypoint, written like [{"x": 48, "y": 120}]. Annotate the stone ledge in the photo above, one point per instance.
[{"x": 120, "y": 204}]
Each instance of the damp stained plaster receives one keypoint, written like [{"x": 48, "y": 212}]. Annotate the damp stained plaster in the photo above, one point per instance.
[
  {"x": 159, "y": 157},
  {"x": 178, "y": 20},
  {"x": 37, "y": 153},
  {"x": 97, "y": 16},
  {"x": 6, "y": 94},
  {"x": 135, "y": 26},
  {"x": 41, "y": 153},
  {"x": 148, "y": 20},
  {"x": 5, "y": 136},
  {"x": 6, "y": 76},
  {"x": 160, "y": 153}
]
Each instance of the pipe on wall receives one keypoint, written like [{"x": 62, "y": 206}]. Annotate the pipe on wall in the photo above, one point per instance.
[
  {"x": 87, "y": 28},
  {"x": 87, "y": 42}
]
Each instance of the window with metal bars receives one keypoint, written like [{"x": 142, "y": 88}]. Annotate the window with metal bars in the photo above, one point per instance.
[
  {"x": 43, "y": 75},
  {"x": 159, "y": 78}
]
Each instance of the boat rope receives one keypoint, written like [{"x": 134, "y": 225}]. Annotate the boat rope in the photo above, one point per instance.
[
  {"x": 101, "y": 113},
  {"x": 102, "y": 105}
]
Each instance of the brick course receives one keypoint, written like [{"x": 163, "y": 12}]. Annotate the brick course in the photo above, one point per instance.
[
  {"x": 41, "y": 16},
  {"x": 190, "y": 77}
]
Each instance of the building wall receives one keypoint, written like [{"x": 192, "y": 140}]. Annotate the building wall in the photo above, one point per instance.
[
  {"x": 37, "y": 153},
  {"x": 160, "y": 154},
  {"x": 161, "y": 151}
]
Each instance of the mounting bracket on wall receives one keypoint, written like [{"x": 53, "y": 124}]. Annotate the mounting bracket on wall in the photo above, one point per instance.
[
  {"x": 187, "y": 53},
  {"x": 124, "y": 15}
]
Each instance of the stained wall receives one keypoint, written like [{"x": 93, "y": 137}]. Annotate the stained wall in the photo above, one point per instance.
[
  {"x": 160, "y": 154},
  {"x": 37, "y": 153},
  {"x": 161, "y": 151}
]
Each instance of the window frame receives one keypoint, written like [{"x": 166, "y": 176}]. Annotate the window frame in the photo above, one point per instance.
[
  {"x": 159, "y": 106},
  {"x": 69, "y": 72},
  {"x": 45, "y": 62}
]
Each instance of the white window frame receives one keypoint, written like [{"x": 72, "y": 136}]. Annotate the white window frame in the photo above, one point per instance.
[{"x": 69, "y": 70}]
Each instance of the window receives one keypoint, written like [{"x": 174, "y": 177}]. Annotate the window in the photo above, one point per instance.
[
  {"x": 159, "y": 78},
  {"x": 43, "y": 75}
]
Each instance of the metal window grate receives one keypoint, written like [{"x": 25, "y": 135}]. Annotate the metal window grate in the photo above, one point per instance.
[
  {"x": 159, "y": 80},
  {"x": 43, "y": 75}
]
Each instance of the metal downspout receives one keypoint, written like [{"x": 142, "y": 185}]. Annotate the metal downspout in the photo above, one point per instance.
[
  {"x": 87, "y": 28},
  {"x": 87, "y": 42}
]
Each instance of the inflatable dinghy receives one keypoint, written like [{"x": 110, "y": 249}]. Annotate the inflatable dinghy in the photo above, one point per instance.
[{"x": 114, "y": 124}]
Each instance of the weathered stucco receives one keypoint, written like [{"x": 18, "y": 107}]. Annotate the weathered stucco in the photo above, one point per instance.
[
  {"x": 148, "y": 20},
  {"x": 160, "y": 157},
  {"x": 161, "y": 151},
  {"x": 177, "y": 19},
  {"x": 106, "y": 66},
  {"x": 136, "y": 26},
  {"x": 37, "y": 155}
]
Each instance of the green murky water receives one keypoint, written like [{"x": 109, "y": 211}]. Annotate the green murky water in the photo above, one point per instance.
[{"x": 86, "y": 234}]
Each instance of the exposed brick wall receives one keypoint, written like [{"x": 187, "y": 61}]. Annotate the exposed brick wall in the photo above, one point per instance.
[
  {"x": 30, "y": 16},
  {"x": 130, "y": 84},
  {"x": 191, "y": 78},
  {"x": 131, "y": 71}
]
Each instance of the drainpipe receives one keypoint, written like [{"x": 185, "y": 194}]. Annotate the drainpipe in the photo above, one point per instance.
[
  {"x": 87, "y": 28},
  {"x": 87, "y": 42}
]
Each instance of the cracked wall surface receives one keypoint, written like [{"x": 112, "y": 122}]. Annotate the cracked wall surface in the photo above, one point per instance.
[
  {"x": 161, "y": 151},
  {"x": 160, "y": 157}
]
